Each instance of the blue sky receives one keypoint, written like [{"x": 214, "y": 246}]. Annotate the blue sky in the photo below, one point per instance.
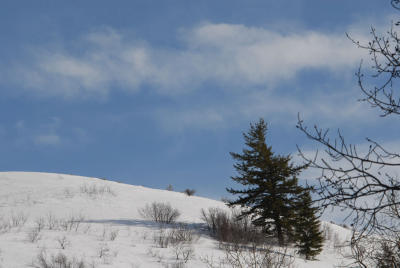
[{"x": 159, "y": 92}]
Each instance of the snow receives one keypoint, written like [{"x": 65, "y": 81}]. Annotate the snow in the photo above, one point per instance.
[{"x": 108, "y": 209}]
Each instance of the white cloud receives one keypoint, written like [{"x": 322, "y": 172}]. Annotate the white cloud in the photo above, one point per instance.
[
  {"x": 47, "y": 139},
  {"x": 49, "y": 132},
  {"x": 247, "y": 61},
  {"x": 329, "y": 110},
  {"x": 228, "y": 54},
  {"x": 257, "y": 55}
]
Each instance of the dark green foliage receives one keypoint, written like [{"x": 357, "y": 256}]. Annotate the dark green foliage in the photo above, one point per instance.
[
  {"x": 308, "y": 236},
  {"x": 270, "y": 181}
]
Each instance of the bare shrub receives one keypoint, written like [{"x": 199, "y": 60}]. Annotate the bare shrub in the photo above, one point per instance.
[
  {"x": 181, "y": 233},
  {"x": 189, "y": 192},
  {"x": 161, "y": 238},
  {"x": 244, "y": 244},
  {"x": 95, "y": 191},
  {"x": 183, "y": 252},
  {"x": 86, "y": 228},
  {"x": 212, "y": 217},
  {"x": 155, "y": 254},
  {"x": 177, "y": 264},
  {"x": 5, "y": 225},
  {"x": 210, "y": 261},
  {"x": 103, "y": 234},
  {"x": 238, "y": 256},
  {"x": 144, "y": 235},
  {"x": 159, "y": 212},
  {"x": 57, "y": 261},
  {"x": 388, "y": 255},
  {"x": 68, "y": 193},
  {"x": 33, "y": 235},
  {"x": 107, "y": 234},
  {"x": 113, "y": 234},
  {"x": 39, "y": 223},
  {"x": 19, "y": 219},
  {"x": 71, "y": 223},
  {"x": 51, "y": 221},
  {"x": 180, "y": 238},
  {"x": 228, "y": 227},
  {"x": 63, "y": 242},
  {"x": 375, "y": 251},
  {"x": 104, "y": 253}
]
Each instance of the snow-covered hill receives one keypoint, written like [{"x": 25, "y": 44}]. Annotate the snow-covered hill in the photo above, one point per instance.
[{"x": 97, "y": 221}]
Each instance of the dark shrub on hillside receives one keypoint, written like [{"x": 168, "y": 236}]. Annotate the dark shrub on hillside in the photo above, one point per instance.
[
  {"x": 159, "y": 212},
  {"x": 57, "y": 261},
  {"x": 190, "y": 192},
  {"x": 228, "y": 227}
]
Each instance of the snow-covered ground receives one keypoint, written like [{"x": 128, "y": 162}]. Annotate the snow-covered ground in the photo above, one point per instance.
[{"x": 97, "y": 221}]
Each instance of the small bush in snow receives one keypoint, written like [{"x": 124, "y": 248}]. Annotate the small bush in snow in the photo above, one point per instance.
[
  {"x": 63, "y": 242},
  {"x": 178, "y": 264},
  {"x": 104, "y": 253},
  {"x": 228, "y": 227},
  {"x": 113, "y": 234},
  {"x": 5, "y": 225},
  {"x": 51, "y": 221},
  {"x": 258, "y": 256},
  {"x": 161, "y": 238},
  {"x": 108, "y": 234},
  {"x": 155, "y": 254},
  {"x": 189, "y": 192},
  {"x": 39, "y": 223},
  {"x": 19, "y": 219},
  {"x": 179, "y": 234},
  {"x": 33, "y": 235},
  {"x": 58, "y": 261},
  {"x": 71, "y": 223},
  {"x": 261, "y": 256},
  {"x": 95, "y": 191},
  {"x": 182, "y": 252},
  {"x": 68, "y": 193},
  {"x": 159, "y": 212}
]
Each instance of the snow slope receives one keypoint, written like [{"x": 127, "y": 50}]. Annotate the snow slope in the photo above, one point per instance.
[{"x": 110, "y": 231}]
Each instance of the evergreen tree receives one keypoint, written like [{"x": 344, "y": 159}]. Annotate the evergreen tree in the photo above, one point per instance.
[
  {"x": 270, "y": 182},
  {"x": 308, "y": 235}
]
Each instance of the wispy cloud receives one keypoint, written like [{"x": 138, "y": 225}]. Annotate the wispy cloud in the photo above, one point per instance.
[
  {"x": 247, "y": 63},
  {"x": 50, "y": 132},
  {"x": 329, "y": 109},
  {"x": 47, "y": 139},
  {"x": 227, "y": 54}
]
